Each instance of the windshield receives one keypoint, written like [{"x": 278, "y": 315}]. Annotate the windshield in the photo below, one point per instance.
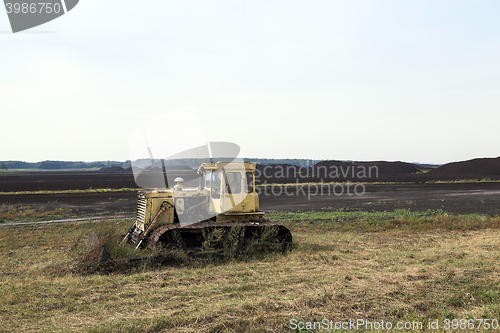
[
  {"x": 216, "y": 184},
  {"x": 233, "y": 182}
]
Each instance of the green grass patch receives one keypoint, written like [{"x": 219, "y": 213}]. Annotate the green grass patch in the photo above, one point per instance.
[
  {"x": 463, "y": 181},
  {"x": 89, "y": 190},
  {"x": 399, "y": 220},
  {"x": 342, "y": 215},
  {"x": 354, "y": 182}
]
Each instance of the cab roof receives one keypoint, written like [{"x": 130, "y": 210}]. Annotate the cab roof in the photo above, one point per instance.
[{"x": 230, "y": 165}]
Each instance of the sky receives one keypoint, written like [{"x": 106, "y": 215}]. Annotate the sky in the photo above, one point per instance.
[{"x": 415, "y": 81}]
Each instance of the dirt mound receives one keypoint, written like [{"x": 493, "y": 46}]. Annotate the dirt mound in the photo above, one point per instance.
[
  {"x": 156, "y": 178},
  {"x": 328, "y": 171},
  {"x": 166, "y": 168},
  {"x": 65, "y": 180},
  {"x": 369, "y": 170},
  {"x": 112, "y": 169},
  {"x": 477, "y": 168},
  {"x": 178, "y": 168},
  {"x": 152, "y": 169}
]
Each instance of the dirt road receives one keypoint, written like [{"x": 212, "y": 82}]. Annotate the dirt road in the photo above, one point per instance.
[{"x": 456, "y": 198}]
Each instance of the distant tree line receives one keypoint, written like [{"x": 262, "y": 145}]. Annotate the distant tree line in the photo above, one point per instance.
[
  {"x": 291, "y": 161},
  {"x": 58, "y": 165},
  {"x": 192, "y": 162},
  {"x": 195, "y": 162}
]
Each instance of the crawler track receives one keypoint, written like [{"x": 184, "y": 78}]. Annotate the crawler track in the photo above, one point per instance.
[{"x": 192, "y": 235}]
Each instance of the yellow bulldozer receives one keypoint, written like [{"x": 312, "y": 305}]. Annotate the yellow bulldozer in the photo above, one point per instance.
[{"x": 223, "y": 197}]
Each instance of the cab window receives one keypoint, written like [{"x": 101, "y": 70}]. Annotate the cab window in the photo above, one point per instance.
[
  {"x": 233, "y": 182},
  {"x": 249, "y": 187},
  {"x": 216, "y": 184},
  {"x": 208, "y": 179}
]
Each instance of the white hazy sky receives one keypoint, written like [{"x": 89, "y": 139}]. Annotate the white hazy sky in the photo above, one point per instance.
[{"x": 355, "y": 80}]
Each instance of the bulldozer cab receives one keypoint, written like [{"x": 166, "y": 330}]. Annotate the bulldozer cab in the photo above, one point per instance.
[{"x": 231, "y": 186}]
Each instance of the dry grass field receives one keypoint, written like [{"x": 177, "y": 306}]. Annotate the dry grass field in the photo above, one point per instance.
[{"x": 401, "y": 268}]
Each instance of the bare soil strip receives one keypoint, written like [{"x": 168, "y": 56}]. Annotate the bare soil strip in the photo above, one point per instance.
[{"x": 81, "y": 219}]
